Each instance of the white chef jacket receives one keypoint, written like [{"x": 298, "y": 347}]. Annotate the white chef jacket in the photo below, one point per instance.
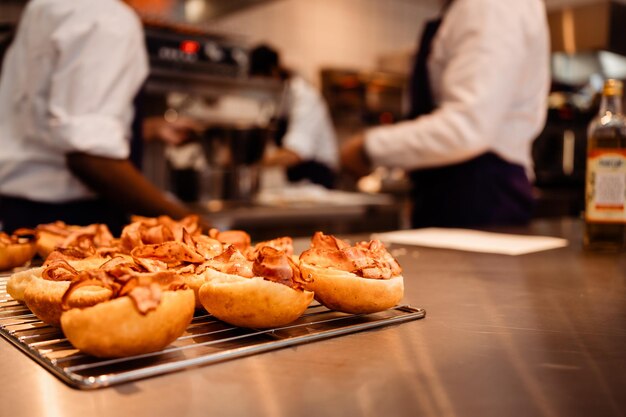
[
  {"x": 310, "y": 133},
  {"x": 68, "y": 84},
  {"x": 489, "y": 75}
]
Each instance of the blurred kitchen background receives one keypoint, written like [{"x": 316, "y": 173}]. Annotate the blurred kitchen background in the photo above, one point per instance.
[{"x": 358, "y": 53}]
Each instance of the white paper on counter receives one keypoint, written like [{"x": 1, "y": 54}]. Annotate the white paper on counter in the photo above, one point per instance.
[
  {"x": 473, "y": 240},
  {"x": 305, "y": 194}
]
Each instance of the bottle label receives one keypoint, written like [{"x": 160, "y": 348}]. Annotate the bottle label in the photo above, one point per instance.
[{"x": 606, "y": 186}]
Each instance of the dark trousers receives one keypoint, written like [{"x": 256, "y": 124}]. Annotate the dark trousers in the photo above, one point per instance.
[
  {"x": 20, "y": 212},
  {"x": 484, "y": 191},
  {"x": 313, "y": 171}
]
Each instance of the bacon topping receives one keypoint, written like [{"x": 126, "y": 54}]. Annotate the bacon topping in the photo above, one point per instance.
[
  {"x": 322, "y": 241},
  {"x": 69, "y": 254},
  {"x": 80, "y": 242},
  {"x": 378, "y": 249},
  {"x": 284, "y": 244},
  {"x": 92, "y": 236},
  {"x": 207, "y": 246},
  {"x": 60, "y": 270},
  {"x": 156, "y": 230},
  {"x": 365, "y": 259},
  {"x": 230, "y": 261},
  {"x": 172, "y": 253},
  {"x": 146, "y": 298},
  {"x": 276, "y": 266},
  {"x": 122, "y": 277},
  {"x": 57, "y": 228},
  {"x": 237, "y": 238}
]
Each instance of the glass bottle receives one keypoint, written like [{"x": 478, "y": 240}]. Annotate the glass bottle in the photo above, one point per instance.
[{"x": 605, "y": 190}]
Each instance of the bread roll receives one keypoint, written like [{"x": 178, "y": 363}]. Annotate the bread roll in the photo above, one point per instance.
[
  {"x": 116, "y": 329},
  {"x": 194, "y": 282},
  {"x": 47, "y": 242},
  {"x": 252, "y": 302},
  {"x": 347, "y": 292},
  {"x": 16, "y": 254},
  {"x": 17, "y": 283},
  {"x": 44, "y": 298}
]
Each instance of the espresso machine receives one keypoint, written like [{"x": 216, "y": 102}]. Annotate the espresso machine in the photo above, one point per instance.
[{"x": 204, "y": 77}]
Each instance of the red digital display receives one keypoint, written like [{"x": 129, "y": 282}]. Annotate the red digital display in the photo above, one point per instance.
[{"x": 189, "y": 47}]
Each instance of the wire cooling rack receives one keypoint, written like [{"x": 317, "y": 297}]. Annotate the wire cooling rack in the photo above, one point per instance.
[{"x": 206, "y": 341}]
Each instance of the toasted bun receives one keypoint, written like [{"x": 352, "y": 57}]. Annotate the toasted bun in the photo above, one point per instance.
[
  {"x": 47, "y": 242},
  {"x": 17, "y": 283},
  {"x": 344, "y": 291},
  {"x": 44, "y": 298},
  {"x": 252, "y": 302},
  {"x": 115, "y": 328},
  {"x": 194, "y": 282},
  {"x": 16, "y": 254}
]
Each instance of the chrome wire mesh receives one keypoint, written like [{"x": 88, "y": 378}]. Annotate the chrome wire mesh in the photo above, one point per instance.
[{"x": 206, "y": 341}]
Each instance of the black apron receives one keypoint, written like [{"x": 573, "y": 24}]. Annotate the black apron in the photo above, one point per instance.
[{"x": 483, "y": 191}]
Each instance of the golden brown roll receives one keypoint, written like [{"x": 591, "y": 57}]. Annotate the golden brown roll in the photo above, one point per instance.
[
  {"x": 44, "y": 298},
  {"x": 363, "y": 278},
  {"x": 52, "y": 235},
  {"x": 16, "y": 254},
  {"x": 252, "y": 302},
  {"x": 347, "y": 292},
  {"x": 116, "y": 328},
  {"x": 229, "y": 261},
  {"x": 194, "y": 282},
  {"x": 16, "y": 249},
  {"x": 17, "y": 283}
]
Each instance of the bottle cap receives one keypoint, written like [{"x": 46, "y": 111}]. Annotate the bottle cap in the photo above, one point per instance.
[{"x": 613, "y": 88}]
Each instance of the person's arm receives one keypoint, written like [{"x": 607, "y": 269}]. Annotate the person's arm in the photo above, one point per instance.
[
  {"x": 484, "y": 56},
  {"x": 119, "y": 182},
  {"x": 354, "y": 159},
  {"x": 281, "y": 157},
  {"x": 173, "y": 133}
]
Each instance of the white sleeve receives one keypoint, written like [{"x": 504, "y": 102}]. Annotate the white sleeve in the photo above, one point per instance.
[
  {"x": 483, "y": 41},
  {"x": 101, "y": 66}
]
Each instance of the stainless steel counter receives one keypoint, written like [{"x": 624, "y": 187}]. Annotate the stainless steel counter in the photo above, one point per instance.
[
  {"x": 535, "y": 335},
  {"x": 263, "y": 221}
]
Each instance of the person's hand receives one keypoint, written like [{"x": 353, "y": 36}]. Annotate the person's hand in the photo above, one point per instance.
[
  {"x": 281, "y": 157},
  {"x": 354, "y": 159},
  {"x": 174, "y": 133}
]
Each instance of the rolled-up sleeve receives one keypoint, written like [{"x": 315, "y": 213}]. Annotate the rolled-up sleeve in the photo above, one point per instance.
[{"x": 100, "y": 67}]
